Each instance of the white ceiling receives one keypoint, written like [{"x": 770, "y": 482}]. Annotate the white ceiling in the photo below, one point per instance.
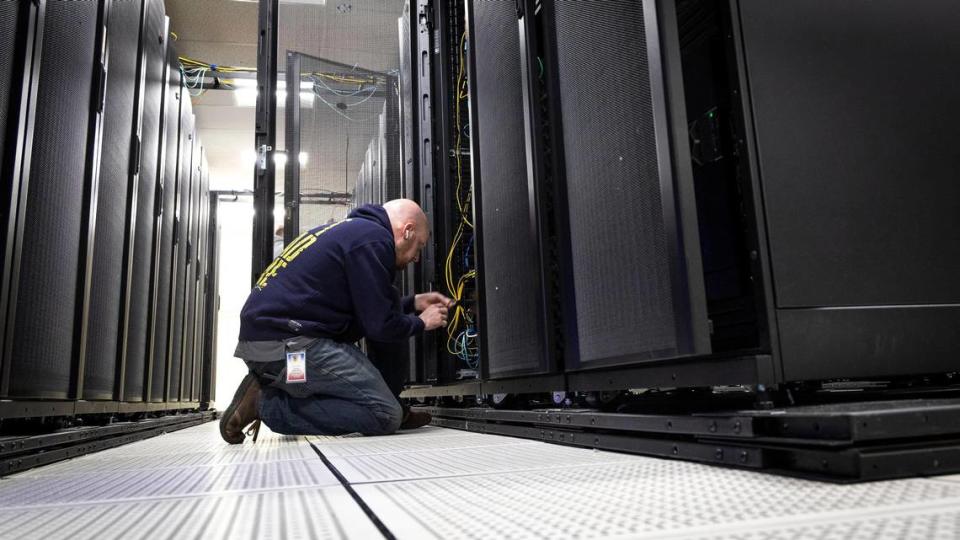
[{"x": 224, "y": 32}]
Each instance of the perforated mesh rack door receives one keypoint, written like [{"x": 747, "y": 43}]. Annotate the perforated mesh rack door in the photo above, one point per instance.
[
  {"x": 174, "y": 352},
  {"x": 42, "y": 348},
  {"x": 12, "y": 65},
  {"x": 10, "y": 13},
  {"x": 106, "y": 290},
  {"x": 154, "y": 42},
  {"x": 190, "y": 288},
  {"x": 512, "y": 289},
  {"x": 632, "y": 274},
  {"x": 165, "y": 263}
]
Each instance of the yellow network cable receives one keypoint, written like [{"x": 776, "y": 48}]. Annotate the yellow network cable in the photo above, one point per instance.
[{"x": 456, "y": 290}]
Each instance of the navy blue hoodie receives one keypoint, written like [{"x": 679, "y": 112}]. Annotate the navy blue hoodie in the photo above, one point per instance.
[{"x": 335, "y": 281}]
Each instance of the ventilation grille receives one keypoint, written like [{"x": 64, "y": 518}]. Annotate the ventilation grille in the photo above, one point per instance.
[
  {"x": 43, "y": 342},
  {"x": 140, "y": 297},
  {"x": 123, "y": 33},
  {"x": 9, "y": 21},
  {"x": 180, "y": 274},
  {"x": 512, "y": 287},
  {"x": 621, "y": 274}
]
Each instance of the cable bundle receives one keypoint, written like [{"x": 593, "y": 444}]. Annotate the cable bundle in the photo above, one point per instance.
[{"x": 463, "y": 344}]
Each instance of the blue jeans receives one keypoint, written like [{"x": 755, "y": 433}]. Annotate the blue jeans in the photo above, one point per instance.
[{"x": 344, "y": 393}]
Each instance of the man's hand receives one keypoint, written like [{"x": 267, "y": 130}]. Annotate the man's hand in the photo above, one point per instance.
[
  {"x": 422, "y": 301},
  {"x": 435, "y": 316}
]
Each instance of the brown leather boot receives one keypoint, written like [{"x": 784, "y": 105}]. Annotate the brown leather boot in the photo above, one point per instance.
[
  {"x": 413, "y": 419},
  {"x": 242, "y": 411}
]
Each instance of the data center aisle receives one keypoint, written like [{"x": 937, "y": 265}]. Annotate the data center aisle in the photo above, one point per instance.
[{"x": 442, "y": 483}]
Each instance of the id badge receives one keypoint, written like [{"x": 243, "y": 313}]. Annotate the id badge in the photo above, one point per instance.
[{"x": 296, "y": 367}]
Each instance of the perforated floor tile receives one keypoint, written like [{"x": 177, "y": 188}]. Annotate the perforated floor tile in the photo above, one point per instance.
[
  {"x": 941, "y": 523},
  {"x": 133, "y": 484},
  {"x": 307, "y": 514},
  {"x": 234, "y": 455},
  {"x": 468, "y": 461},
  {"x": 644, "y": 496}
]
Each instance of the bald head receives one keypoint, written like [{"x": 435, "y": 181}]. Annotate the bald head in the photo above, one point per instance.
[
  {"x": 403, "y": 211},
  {"x": 410, "y": 229}
]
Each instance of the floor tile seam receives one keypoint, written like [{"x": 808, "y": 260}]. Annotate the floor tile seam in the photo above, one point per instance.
[
  {"x": 358, "y": 500},
  {"x": 180, "y": 496},
  {"x": 413, "y": 451},
  {"x": 804, "y": 520},
  {"x": 170, "y": 468},
  {"x": 487, "y": 473}
]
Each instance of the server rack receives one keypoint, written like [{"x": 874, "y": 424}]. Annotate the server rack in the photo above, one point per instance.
[
  {"x": 408, "y": 154},
  {"x": 23, "y": 26},
  {"x": 179, "y": 276},
  {"x": 79, "y": 277},
  {"x": 190, "y": 292},
  {"x": 512, "y": 266},
  {"x": 118, "y": 170},
  {"x": 142, "y": 222},
  {"x": 166, "y": 230},
  {"x": 211, "y": 304},
  {"x": 670, "y": 149},
  {"x": 39, "y": 352}
]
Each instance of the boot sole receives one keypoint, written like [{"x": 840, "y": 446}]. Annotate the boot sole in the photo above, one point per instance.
[{"x": 232, "y": 408}]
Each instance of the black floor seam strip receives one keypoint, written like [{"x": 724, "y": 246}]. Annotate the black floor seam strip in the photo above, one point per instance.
[{"x": 356, "y": 496}]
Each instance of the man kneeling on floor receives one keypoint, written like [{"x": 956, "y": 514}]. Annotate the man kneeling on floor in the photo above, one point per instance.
[{"x": 330, "y": 287}]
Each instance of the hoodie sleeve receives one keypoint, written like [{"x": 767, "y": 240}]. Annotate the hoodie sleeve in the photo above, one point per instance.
[
  {"x": 370, "y": 280},
  {"x": 408, "y": 303}
]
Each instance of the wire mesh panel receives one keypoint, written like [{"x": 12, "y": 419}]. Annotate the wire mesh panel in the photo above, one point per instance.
[
  {"x": 349, "y": 63},
  {"x": 511, "y": 266},
  {"x": 139, "y": 308},
  {"x": 624, "y": 232},
  {"x": 339, "y": 137},
  {"x": 42, "y": 349},
  {"x": 165, "y": 263},
  {"x": 120, "y": 104}
]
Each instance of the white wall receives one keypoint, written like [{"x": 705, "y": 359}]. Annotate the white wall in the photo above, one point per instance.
[{"x": 236, "y": 233}]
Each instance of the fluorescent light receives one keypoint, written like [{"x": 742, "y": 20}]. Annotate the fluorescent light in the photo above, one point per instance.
[
  {"x": 302, "y": 158},
  {"x": 280, "y": 159}
]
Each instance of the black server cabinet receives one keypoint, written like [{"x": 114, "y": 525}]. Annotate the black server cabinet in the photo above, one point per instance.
[
  {"x": 118, "y": 167},
  {"x": 190, "y": 291},
  {"x": 143, "y": 209},
  {"x": 408, "y": 156},
  {"x": 419, "y": 141},
  {"x": 178, "y": 294},
  {"x": 211, "y": 303},
  {"x": 201, "y": 281},
  {"x": 851, "y": 104},
  {"x": 634, "y": 286},
  {"x": 510, "y": 237},
  {"x": 165, "y": 231},
  {"x": 43, "y": 296},
  {"x": 21, "y": 25}
]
